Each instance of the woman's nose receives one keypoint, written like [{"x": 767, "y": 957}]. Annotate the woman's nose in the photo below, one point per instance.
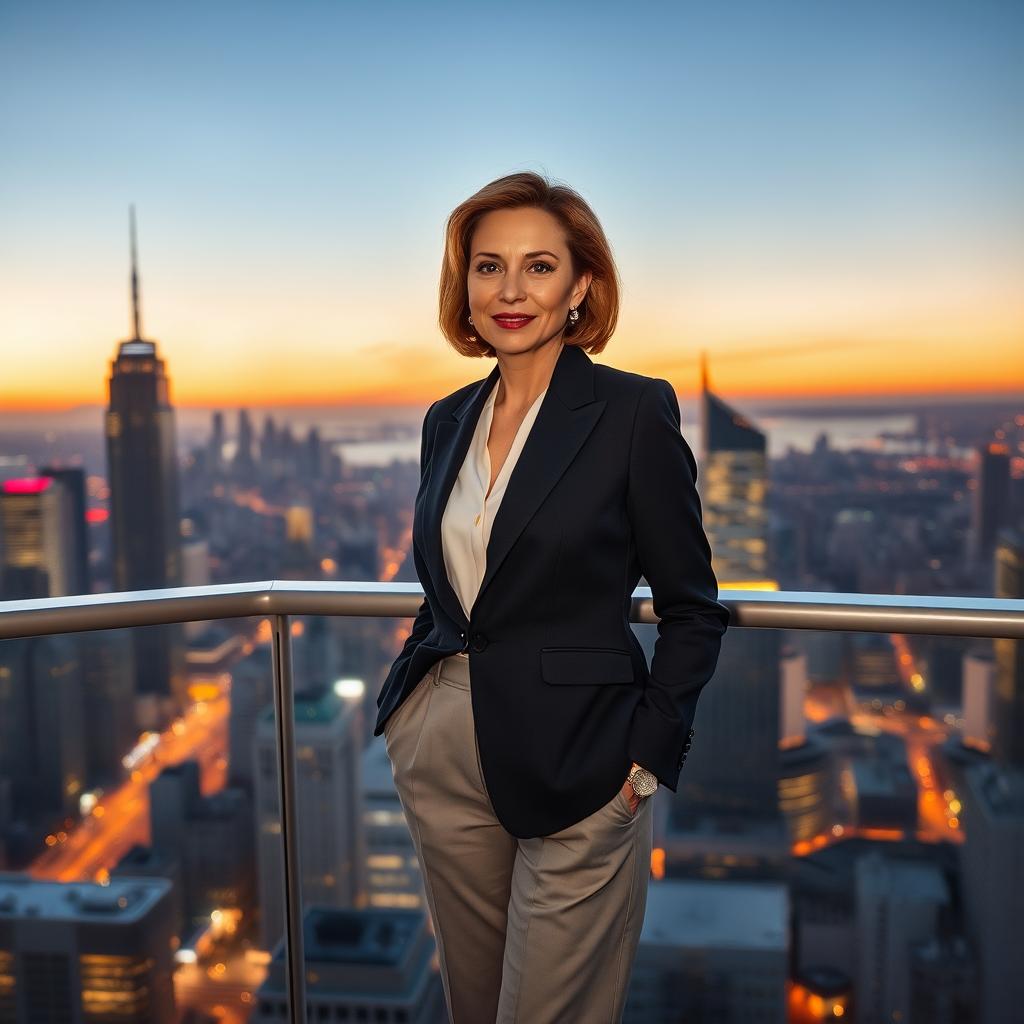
[{"x": 512, "y": 288}]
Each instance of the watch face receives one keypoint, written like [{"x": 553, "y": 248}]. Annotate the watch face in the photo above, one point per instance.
[{"x": 644, "y": 783}]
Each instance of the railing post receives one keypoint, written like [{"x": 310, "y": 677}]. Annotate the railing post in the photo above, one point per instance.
[{"x": 284, "y": 719}]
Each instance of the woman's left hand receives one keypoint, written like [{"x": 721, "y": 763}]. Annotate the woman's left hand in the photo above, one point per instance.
[{"x": 634, "y": 800}]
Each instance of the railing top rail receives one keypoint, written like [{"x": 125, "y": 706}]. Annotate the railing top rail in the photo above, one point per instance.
[{"x": 872, "y": 613}]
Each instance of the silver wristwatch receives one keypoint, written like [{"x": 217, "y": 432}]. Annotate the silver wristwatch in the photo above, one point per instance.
[{"x": 644, "y": 783}]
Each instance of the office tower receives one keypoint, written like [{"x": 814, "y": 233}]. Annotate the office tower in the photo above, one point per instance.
[
  {"x": 244, "y": 464},
  {"x": 195, "y": 572},
  {"x": 38, "y": 539},
  {"x": 733, "y": 486},
  {"x": 286, "y": 451},
  {"x": 393, "y": 876},
  {"x": 72, "y": 478},
  {"x": 108, "y": 672},
  {"x": 725, "y": 818},
  {"x": 732, "y": 771},
  {"x": 328, "y": 744},
  {"x": 42, "y": 746},
  {"x": 793, "y": 726},
  {"x": 144, "y": 512},
  {"x": 268, "y": 441},
  {"x": 825, "y": 651},
  {"x": 147, "y": 862},
  {"x": 361, "y": 965},
  {"x": 316, "y": 661},
  {"x": 209, "y": 837},
  {"x": 979, "y": 699},
  {"x": 298, "y": 560},
  {"x": 899, "y": 903},
  {"x": 271, "y": 456},
  {"x": 735, "y": 764},
  {"x": 944, "y": 981},
  {"x": 215, "y": 448},
  {"x": 805, "y": 772},
  {"x": 313, "y": 461},
  {"x": 990, "y": 509},
  {"x": 712, "y": 951},
  {"x": 86, "y": 952},
  {"x": 173, "y": 795},
  {"x": 252, "y": 690},
  {"x": 210, "y": 655},
  {"x": 1008, "y": 745},
  {"x": 357, "y": 553},
  {"x": 993, "y": 897}
]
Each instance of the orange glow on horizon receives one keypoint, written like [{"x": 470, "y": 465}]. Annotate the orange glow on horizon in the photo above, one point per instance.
[
  {"x": 863, "y": 387},
  {"x": 775, "y": 358}
]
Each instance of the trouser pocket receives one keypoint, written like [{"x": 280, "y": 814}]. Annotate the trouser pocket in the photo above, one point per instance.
[{"x": 402, "y": 710}]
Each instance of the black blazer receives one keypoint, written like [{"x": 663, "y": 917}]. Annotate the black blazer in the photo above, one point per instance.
[{"x": 604, "y": 490}]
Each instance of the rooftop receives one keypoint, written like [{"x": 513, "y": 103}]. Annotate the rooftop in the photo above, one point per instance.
[{"x": 124, "y": 899}]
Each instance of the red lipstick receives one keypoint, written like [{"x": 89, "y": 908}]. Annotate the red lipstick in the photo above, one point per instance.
[{"x": 512, "y": 321}]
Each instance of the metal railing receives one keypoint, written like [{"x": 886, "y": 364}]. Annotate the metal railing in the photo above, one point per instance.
[{"x": 278, "y": 600}]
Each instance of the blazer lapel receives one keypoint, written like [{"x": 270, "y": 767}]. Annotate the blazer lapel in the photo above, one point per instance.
[{"x": 567, "y": 415}]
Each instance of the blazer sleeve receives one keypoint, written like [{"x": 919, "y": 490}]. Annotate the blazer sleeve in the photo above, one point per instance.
[
  {"x": 424, "y": 621},
  {"x": 675, "y": 558}
]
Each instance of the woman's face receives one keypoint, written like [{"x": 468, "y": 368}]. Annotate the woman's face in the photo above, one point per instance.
[{"x": 519, "y": 264}]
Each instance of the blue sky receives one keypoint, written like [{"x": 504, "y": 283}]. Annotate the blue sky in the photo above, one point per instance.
[{"x": 770, "y": 173}]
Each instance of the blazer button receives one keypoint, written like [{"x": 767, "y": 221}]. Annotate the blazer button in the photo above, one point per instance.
[{"x": 478, "y": 642}]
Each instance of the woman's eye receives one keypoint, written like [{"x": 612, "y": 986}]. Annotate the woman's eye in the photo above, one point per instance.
[{"x": 540, "y": 263}]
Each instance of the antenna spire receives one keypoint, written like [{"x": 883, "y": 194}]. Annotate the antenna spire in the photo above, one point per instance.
[{"x": 135, "y": 278}]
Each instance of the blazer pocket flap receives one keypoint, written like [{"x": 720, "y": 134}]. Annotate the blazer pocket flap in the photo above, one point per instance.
[{"x": 583, "y": 665}]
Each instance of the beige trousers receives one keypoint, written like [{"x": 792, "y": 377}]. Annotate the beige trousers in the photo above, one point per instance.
[{"x": 534, "y": 931}]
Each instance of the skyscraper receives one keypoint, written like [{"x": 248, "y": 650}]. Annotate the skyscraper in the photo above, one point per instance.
[
  {"x": 216, "y": 444},
  {"x": 244, "y": 462},
  {"x": 728, "y": 800},
  {"x": 72, "y": 478},
  {"x": 734, "y": 470},
  {"x": 37, "y": 538},
  {"x": 144, "y": 512},
  {"x": 990, "y": 508},
  {"x": 1008, "y": 742},
  {"x": 82, "y": 951},
  {"x": 332, "y": 850}
]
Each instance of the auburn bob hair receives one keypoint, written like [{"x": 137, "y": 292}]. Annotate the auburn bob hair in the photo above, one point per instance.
[{"x": 588, "y": 250}]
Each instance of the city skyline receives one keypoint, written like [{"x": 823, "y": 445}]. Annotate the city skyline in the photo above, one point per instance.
[{"x": 827, "y": 202}]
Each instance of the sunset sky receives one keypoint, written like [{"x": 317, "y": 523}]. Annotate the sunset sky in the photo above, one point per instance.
[{"x": 825, "y": 197}]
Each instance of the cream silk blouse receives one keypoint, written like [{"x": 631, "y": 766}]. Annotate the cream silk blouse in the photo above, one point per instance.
[{"x": 466, "y": 522}]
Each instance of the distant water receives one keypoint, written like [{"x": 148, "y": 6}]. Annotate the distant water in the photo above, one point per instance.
[
  {"x": 373, "y": 436},
  {"x": 784, "y": 432}
]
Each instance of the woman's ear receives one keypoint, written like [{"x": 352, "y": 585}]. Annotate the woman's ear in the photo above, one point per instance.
[{"x": 580, "y": 291}]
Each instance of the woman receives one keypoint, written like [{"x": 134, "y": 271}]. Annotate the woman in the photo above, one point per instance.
[{"x": 524, "y": 729}]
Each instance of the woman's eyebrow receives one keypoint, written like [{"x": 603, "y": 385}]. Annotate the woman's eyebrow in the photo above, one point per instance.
[{"x": 529, "y": 255}]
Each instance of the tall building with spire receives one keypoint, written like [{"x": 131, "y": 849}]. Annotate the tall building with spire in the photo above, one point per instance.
[{"x": 144, "y": 505}]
